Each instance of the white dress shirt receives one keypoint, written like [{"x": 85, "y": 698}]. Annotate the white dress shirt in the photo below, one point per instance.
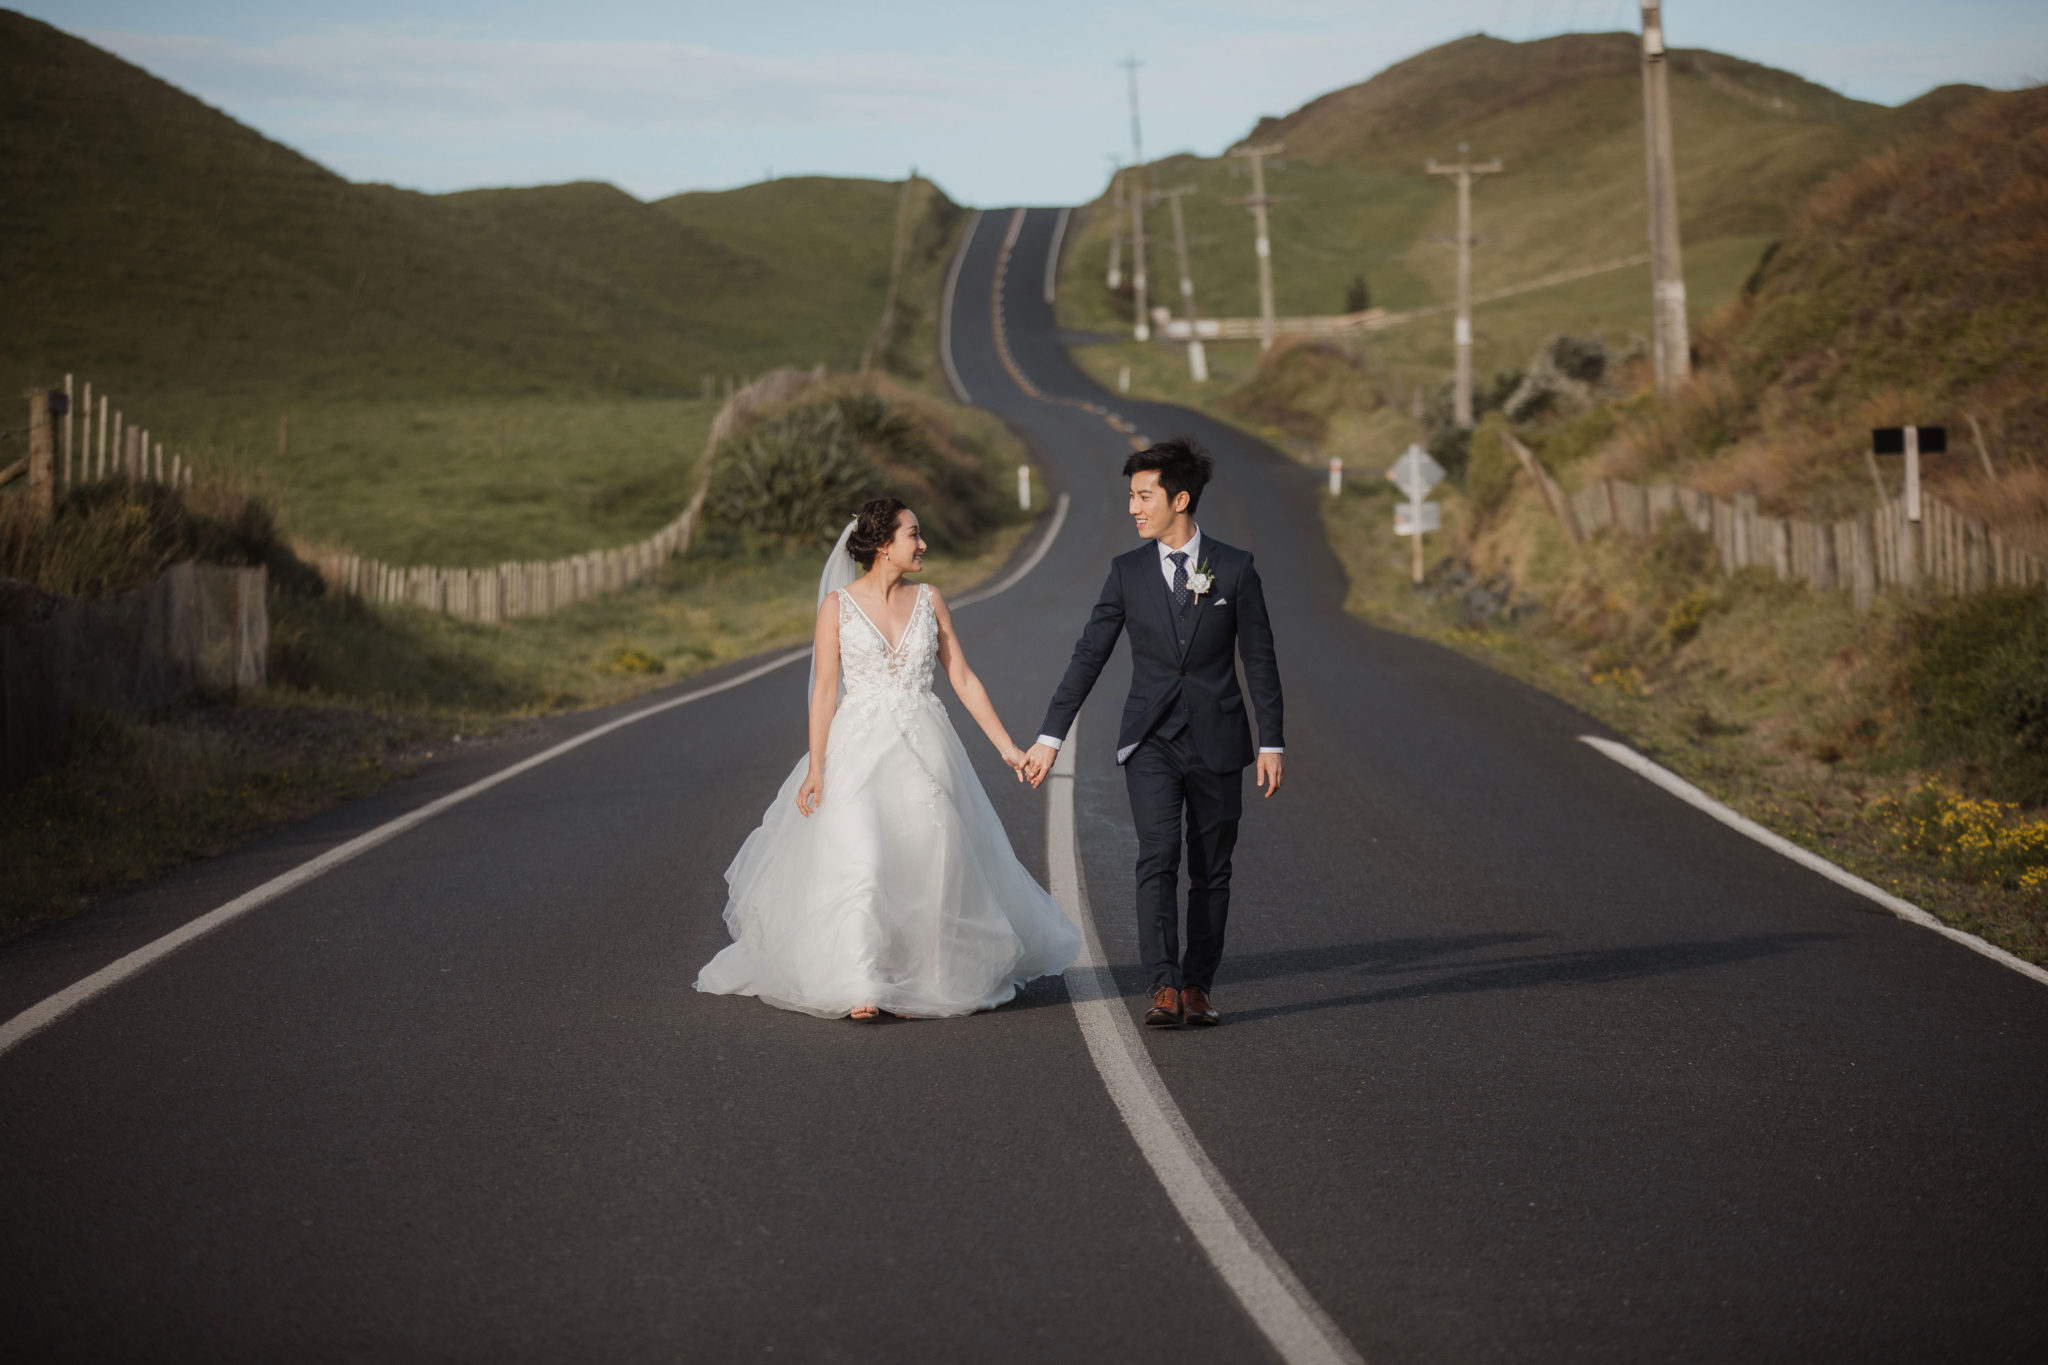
[{"x": 1192, "y": 548}]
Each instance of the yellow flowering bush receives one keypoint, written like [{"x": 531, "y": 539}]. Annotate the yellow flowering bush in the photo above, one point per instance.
[{"x": 1973, "y": 840}]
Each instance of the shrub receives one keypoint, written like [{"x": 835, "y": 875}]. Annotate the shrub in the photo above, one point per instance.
[
  {"x": 113, "y": 536},
  {"x": 1971, "y": 840},
  {"x": 1688, "y": 614},
  {"x": 1975, "y": 683},
  {"x": 1450, "y": 443},
  {"x": 794, "y": 474},
  {"x": 1565, "y": 376},
  {"x": 1490, "y": 471},
  {"x": 1300, "y": 386},
  {"x": 630, "y": 659}
]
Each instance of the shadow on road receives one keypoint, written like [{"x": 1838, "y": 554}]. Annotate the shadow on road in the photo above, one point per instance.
[{"x": 1590, "y": 966}]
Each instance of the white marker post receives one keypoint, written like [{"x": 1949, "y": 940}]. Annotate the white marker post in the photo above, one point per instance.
[
  {"x": 1024, "y": 486},
  {"x": 1123, "y": 379},
  {"x": 1336, "y": 477},
  {"x": 1912, "y": 444},
  {"x": 1415, "y": 473}
]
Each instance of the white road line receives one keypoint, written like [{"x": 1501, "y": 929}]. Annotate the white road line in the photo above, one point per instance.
[
  {"x": 41, "y": 1015},
  {"x": 1052, "y": 257},
  {"x": 1277, "y": 1302},
  {"x": 49, "y": 1010},
  {"x": 1904, "y": 909},
  {"x": 946, "y": 309}
]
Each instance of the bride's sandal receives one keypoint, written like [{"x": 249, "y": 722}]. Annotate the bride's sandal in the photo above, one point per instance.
[{"x": 865, "y": 1012}]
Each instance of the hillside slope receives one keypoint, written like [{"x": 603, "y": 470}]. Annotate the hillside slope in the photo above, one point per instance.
[
  {"x": 1564, "y": 115},
  {"x": 1911, "y": 288},
  {"x": 160, "y": 246}
]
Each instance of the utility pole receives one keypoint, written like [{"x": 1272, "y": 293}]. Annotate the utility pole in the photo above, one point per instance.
[
  {"x": 1670, "y": 339},
  {"x": 1115, "y": 278},
  {"x": 1258, "y": 202},
  {"x": 1465, "y": 171},
  {"x": 1142, "y": 329},
  {"x": 1198, "y": 361}
]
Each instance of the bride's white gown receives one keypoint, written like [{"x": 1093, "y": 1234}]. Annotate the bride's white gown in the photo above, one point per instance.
[{"x": 901, "y": 890}]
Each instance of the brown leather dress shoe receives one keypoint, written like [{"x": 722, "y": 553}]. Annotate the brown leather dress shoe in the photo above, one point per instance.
[
  {"x": 1165, "y": 1011},
  {"x": 1196, "y": 1009}
]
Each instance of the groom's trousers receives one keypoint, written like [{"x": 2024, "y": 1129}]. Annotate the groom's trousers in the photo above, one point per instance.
[{"x": 1171, "y": 791}]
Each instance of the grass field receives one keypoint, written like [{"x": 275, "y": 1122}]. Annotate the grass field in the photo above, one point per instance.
[{"x": 458, "y": 481}]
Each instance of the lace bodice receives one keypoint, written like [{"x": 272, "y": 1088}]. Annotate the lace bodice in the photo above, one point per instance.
[{"x": 870, "y": 667}]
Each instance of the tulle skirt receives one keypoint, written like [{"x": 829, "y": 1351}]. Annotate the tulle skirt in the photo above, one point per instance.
[{"x": 901, "y": 890}]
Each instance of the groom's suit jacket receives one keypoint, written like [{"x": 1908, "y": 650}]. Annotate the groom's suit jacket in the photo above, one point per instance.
[{"x": 1183, "y": 665}]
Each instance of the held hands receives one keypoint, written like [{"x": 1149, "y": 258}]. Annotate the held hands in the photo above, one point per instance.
[
  {"x": 1269, "y": 774},
  {"x": 812, "y": 793},
  {"x": 1037, "y": 764},
  {"x": 1014, "y": 757}
]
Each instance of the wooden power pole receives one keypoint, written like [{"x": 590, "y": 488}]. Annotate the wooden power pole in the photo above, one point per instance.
[
  {"x": 1115, "y": 278},
  {"x": 1198, "y": 360},
  {"x": 1142, "y": 327},
  {"x": 1258, "y": 201},
  {"x": 1465, "y": 171},
  {"x": 1670, "y": 338}
]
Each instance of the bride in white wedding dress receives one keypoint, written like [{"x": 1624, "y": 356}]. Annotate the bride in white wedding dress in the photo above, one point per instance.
[{"x": 880, "y": 877}]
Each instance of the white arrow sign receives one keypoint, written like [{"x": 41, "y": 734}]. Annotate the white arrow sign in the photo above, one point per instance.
[{"x": 1415, "y": 473}]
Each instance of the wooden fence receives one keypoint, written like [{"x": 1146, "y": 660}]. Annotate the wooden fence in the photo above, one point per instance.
[
  {"x": 92, "y": 440},
  {"x": 1861, "y": 555},
  {"x": 196, "y": 628},
  {"x": 536, "y": 587},
  {"x": 89, "y": 441}
]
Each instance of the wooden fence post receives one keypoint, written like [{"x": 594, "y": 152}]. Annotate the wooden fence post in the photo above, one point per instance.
[
  {"x": 70, "y": 420},
  {"x": 42, "y": 472},
  {"x": 1742, "y": 530},
  {"x": 1863, "y": 563}
]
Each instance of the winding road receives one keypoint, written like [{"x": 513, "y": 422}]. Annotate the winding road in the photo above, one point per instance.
[{"x": 1523, "y": 1058}]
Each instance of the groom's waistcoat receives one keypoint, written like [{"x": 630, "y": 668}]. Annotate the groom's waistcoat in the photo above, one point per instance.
[{"x": 1183, "y": 663}]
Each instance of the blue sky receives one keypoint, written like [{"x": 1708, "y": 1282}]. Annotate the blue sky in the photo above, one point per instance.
[{"x": 999, "y": 103}]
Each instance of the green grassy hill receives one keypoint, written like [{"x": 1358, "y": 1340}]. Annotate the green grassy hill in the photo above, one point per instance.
[
  {"x": 1565, "y": 116},
  {"x": 469, "y": 376},
  {"x": 160, "y": 245}
]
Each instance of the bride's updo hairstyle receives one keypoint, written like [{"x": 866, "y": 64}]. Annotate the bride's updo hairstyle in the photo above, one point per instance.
[{"x": 874, "y": 526}]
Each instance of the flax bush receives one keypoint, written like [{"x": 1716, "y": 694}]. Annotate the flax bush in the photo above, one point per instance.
[{"x": 794, "y": 475}]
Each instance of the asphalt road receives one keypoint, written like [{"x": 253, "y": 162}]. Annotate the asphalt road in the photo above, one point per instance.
[{"x": 1522, "y": 1059}]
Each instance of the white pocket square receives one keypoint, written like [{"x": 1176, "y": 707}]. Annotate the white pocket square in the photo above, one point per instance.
[{"x": 1220, "y": 602}]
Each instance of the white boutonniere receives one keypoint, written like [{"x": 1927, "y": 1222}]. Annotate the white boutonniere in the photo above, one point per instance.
[{"x": 1202, "y": 579}]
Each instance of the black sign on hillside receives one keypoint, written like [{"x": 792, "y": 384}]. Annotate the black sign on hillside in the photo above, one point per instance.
[{"x": 1892, "y": 440}]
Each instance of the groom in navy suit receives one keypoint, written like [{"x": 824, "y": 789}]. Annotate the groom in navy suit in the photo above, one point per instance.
[{"x": 1192, "y": 606}]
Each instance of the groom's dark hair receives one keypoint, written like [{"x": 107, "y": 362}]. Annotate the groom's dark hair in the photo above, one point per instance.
[{"x": 1183, "y": 468}]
